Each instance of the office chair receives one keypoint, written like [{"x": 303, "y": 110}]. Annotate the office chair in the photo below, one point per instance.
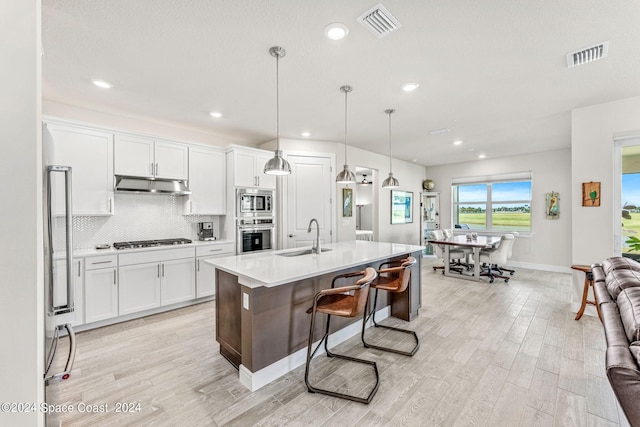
[{"x": 495, "y": 256}]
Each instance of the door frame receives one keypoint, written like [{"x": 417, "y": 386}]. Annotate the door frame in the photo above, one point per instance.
[{"x": 281, "y": 200}]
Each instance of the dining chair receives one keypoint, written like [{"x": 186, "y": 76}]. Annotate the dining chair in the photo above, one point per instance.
[{"x": 454, "y": 252}]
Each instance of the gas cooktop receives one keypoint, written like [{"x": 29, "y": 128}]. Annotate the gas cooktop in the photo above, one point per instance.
[{"x": 150, "y": 243}]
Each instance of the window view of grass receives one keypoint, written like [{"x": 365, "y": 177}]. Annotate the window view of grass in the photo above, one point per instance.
[{"x": 509, "y": 204}]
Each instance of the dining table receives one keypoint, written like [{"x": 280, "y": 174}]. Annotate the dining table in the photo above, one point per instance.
[{"x": 476, "y": 243}]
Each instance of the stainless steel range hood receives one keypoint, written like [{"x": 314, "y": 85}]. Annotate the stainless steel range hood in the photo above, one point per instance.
[{"x": 136, "y": 184}]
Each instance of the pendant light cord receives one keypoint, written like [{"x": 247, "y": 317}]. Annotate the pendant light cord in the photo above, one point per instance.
[
  {"x": 390, "y": 170},
  {"x": 277, "y": 103},
  {"x": 345, "y": 127}
]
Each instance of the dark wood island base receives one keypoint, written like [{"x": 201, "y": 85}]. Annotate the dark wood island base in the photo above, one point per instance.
[{"x": 263, "y": 331}]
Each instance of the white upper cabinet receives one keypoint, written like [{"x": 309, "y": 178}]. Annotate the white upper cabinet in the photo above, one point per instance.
[
  {"x": 90, "y": 154},
  {"x": 146, "y": 157},
  {"x": 207, "y": 182},
  {"x": 248, "y": 168}
]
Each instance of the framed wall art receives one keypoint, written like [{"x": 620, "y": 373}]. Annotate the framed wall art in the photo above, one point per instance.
[
  {"x": 553, "y": 205},
  {"x": 347, "y": 202},
  {"x": 591, "y": 193},
  {"x": 401, "y": 207}
]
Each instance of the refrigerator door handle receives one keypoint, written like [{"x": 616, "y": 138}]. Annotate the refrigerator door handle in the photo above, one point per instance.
[
  {"x": 68, "y": 307},
  {"x": 61, "y": 376}
]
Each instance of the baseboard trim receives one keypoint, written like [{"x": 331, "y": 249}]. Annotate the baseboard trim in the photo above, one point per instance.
[
  {"x": 256, "y": 380},
  {"x": 541, "y": 267}
]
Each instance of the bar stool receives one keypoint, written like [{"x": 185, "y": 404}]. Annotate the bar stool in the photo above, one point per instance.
[
  {"x": 345, "y": 301},
  {"x": 393, "y": 279},
  {"x": 588, "y": 282}
]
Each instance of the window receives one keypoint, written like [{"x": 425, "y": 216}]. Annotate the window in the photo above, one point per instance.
[{"x": 493, "y": 205}]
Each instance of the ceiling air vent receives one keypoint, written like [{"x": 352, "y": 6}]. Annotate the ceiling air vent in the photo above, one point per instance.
[
  {"x": 379, "y": 21},
  {"x": 590, "y": 54}
]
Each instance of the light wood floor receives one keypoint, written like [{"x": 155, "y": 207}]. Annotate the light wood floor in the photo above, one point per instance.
[{"x": 491, "y": 355}]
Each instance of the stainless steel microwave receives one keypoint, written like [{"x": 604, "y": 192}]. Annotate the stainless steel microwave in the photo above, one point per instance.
[{"x": 251, "y": 202}]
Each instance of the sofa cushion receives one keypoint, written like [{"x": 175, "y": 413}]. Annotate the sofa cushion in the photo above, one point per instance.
[
  {"x": 617, "y": 280},
  {"x": 619, "y": 263},
  {"x": 629, "y": 308}
]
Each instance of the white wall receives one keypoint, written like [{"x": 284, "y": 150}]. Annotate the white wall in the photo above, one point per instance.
[
  {"x": 593, "y": 130},
  {"x": 549, "y": 246},
  {"x": 409, "y": 174},
  {"x": 21, "y": 269}
]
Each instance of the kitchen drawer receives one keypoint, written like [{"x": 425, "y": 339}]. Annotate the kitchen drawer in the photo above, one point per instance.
[
  {"x": 215, "y": 250},
  {"x": 105, "y": 261},
  {"x": 155, "y": 256}
]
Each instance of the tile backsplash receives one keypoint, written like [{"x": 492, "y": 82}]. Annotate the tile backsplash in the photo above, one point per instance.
[{"x": 137, "y": 217}]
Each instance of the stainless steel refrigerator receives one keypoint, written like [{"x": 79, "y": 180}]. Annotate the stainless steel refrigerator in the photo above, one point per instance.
[{"x": 58, "y": 254}]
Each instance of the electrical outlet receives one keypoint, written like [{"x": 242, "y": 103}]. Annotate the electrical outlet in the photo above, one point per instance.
[{"x": 245, "y": 301}]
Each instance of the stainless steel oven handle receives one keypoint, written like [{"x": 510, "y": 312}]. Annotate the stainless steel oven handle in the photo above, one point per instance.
[{"x": 61, "y": 376}]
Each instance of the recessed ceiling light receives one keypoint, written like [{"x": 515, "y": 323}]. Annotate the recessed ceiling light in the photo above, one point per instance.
[
  {"x": 458, "y": 142},
  {"x": 306, "y": 134},
  {"x": 102, "y": 84},
  {"x": 336, "y": 31},
  {"x": 410, "y": 86},
  {"x": 215, "y": 114},
  {"x": 481, "y": 156},
  {"x": 414, "y": 160}
]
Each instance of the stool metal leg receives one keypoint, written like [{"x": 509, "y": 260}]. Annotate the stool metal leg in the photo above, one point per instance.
[
  {"x": 310, "y": 355},
  {"x": 372, "y": 314}
]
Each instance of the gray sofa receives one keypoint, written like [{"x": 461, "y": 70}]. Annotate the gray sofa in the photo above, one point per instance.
[{"x": 617, "y": 290}]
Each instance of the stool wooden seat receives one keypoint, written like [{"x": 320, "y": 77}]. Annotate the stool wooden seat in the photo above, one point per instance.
[
  {"x": 588, "y": 282},
  {"x": 345, "y": 301},
  {"x": 394, "y": 278}
]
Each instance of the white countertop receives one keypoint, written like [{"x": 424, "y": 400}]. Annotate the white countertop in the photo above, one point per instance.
[
  {"x": 111, "y": 251},
  {"x": 270, "y": 269}
]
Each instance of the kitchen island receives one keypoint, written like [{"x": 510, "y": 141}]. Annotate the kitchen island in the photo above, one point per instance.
[{"x": 261, "y": 301}]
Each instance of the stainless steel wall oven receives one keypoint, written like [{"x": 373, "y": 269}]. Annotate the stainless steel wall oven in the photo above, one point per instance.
[{"x": 255, "y": 234}]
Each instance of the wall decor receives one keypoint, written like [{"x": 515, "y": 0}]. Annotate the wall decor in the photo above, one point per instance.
[
  {"x": 591, "y": 193},
  {"x": 347, "y": 202},
  {"x": 401, "y": 207},
  {"x": 553, "y": 205}
]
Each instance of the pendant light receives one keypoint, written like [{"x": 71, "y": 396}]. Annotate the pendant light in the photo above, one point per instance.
[
  {"x": 346, "y": 176},
  {"x": 364, "y": 180},
  {"x": 277, "y": 165},
  {"x": 390, "y": 182}
]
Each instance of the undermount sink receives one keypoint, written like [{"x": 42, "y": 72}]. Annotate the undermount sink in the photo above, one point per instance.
[{"x": 302, "y": 252}]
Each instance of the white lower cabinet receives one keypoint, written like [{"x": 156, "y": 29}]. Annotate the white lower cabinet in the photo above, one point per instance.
[
  {"x": 139, "y": 287},
  {"x": 205, "y": 272},
  {"x": 76, "y": 317},
  {"x": 151, "y": 279},
  {"x": 178, "y": 281},
  {"x": 100, "y": 288}
]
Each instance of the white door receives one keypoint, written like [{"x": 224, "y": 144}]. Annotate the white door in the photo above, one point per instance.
[{"x": 308, "y": 192}]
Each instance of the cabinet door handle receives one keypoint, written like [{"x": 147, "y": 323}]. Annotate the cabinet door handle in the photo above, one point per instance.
[
  {"x": 258, "y": 179},
  {"x": 110, "y": 205},
  {"x": 101, "y": 262},
  {"x": 114, "y": 276},
  {"x": 162, "y": 270},
  {"x": 215, "y": 250},
  {"x": 152, "y": 170},
  {"x": 78, "y": 268},
  {"x": 198, "y": 265},
  {"x": 157, "y": 169},
  {"x": 158, "y": 270}
]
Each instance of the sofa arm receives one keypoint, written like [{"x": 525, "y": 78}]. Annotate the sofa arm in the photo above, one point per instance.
[{"x": 624, "y": 377}]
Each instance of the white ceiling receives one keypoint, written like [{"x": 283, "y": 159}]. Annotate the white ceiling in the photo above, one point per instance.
[{"x": 493, "y": 72}]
